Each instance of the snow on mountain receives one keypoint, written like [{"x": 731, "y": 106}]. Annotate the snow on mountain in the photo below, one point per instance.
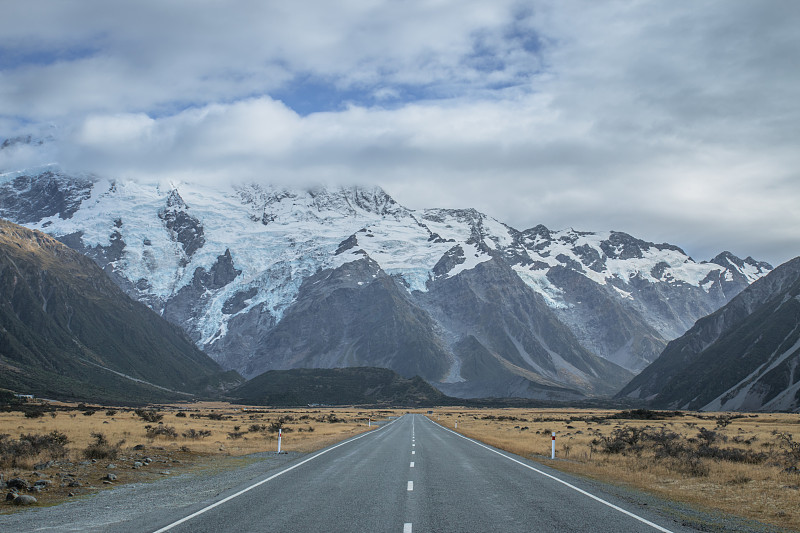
[{"x": 205, "y": 256}]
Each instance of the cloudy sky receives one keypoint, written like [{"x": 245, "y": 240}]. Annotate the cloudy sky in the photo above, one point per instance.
[{"x": 673, "y": 121}]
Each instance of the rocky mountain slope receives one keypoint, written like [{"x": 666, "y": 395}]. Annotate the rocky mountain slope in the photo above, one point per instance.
[
  {"x": 265, "y": 277},
  {"x": 68, "y": 332},
  {"x": 745, "y": 356}
]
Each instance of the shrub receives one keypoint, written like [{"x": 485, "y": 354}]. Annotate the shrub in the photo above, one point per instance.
[
  {"x": 180, "y": 414},
  {"x": 15, "y": 452},
  {"x": 331, "y": 418},
  {"x": 707, "y": 436},
  {"x": 622, "y": 440},
  {"x": 168, "y": 432},
  {"x": 111, "y": 412},
  {"x": 691, "y": 465},
  {"x": 101, "y": 448},
  {"x": 791, "y": 449},
  {"x": 149, "y": 415},
  {"x": 193, "y": 434}
]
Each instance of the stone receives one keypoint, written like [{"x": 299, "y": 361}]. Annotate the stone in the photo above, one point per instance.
[
  {"x": 111, "y": 465},
  {"x": 24, "y": 499},
  {"x": 10, "y": 496},
  {"x": 110, "y": 477},
  {"x": 17, "y": 483}
]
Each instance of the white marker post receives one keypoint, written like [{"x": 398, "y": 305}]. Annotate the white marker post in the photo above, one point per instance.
[
  {"x": 369, "y": 422},
  {"x": 279, "y": 440},
  {"x": 553, "y": 451},
  {"x": 456, "y": 424}
]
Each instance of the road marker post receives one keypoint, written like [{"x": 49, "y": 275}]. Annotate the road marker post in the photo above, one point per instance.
[
  {"x": 553, "y": 450},
  {"x": 279, "y": 440},
  {"x": 456, "y": 424}
]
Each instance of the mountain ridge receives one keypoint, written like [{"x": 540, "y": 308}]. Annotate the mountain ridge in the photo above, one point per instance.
[
  {"x": 68, "y": 331},
  {"x": 228, "y": 263},
  {"x": 741, "y": 357}
]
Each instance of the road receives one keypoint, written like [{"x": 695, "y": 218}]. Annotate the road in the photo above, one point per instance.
[{"x": 410, "y": 476}]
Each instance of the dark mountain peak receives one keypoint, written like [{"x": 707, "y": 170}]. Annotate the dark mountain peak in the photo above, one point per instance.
[
  {"x": 183, "y": 227},
  {"x": 32, "y": 197},
  {"x": 620, "y": 245},
  {"x": 452, "y": 258},
  {"x": 20, "y": 139},
  {"x": 740, "y": 357},
  {"x": 762, "y": 266},
  {"x": 175, "y": 201},
  {"x": 539, "y": 230},
  {"x": 69, "y": 332},
  {"x": 727, "y": 259},
  {"x": 220, "y": 274}
]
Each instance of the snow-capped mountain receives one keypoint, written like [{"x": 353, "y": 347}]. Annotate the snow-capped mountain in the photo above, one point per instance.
[
  {"x": 743, "y": 357},
  {"x": 266, "y": 277}
]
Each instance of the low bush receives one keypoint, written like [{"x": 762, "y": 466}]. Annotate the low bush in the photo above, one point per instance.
[
  {"x": 195, "y": 435},
  {"x": 15, "y": 452},
  {"x": 149, "y": 415},
  {"x": 161, "y": 430},
  {"x": 101, "y": 448},
  {"x": 791, "y": 449}
]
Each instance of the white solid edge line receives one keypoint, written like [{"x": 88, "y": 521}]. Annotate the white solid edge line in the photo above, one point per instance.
[
  {"x": 270, "y": 478},
  {"x": 545, "y": 474}
]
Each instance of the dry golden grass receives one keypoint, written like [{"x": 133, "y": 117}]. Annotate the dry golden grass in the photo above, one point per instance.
[
  {"x": 304, "y": 430},
  {"x": 230, "y": 431},
  {"x": 764, "y": 491}
]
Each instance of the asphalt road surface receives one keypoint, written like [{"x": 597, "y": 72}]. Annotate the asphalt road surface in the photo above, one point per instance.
[{"x": 411, "y": 476}]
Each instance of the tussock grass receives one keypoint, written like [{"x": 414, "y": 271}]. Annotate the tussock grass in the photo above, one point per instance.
[
  {"x": 200, "y": 428},
  {"x": 741, "y": 464}
]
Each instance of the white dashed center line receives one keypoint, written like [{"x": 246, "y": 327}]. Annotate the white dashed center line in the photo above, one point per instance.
[
  {"x": 410, "y": 485},
  {"x": 407, "y": 527},
  {"x": 412, "y": 464}
]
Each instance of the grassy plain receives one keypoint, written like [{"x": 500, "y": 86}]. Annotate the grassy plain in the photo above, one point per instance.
[
  {"x": 177, "y": 437},
  {"x": 735, "y": 463}
]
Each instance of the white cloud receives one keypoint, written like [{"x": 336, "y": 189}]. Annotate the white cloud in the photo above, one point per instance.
[{"x": 671, "y": 121}]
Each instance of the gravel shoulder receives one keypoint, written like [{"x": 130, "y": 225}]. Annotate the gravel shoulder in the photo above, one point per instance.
[{"x": 108, "y": 510}]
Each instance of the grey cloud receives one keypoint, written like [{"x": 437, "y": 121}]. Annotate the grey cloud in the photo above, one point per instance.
[{"x": 673, "y": 121}]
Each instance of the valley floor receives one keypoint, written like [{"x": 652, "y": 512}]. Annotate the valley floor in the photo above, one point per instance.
[{"x": 727, "y": 464}]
